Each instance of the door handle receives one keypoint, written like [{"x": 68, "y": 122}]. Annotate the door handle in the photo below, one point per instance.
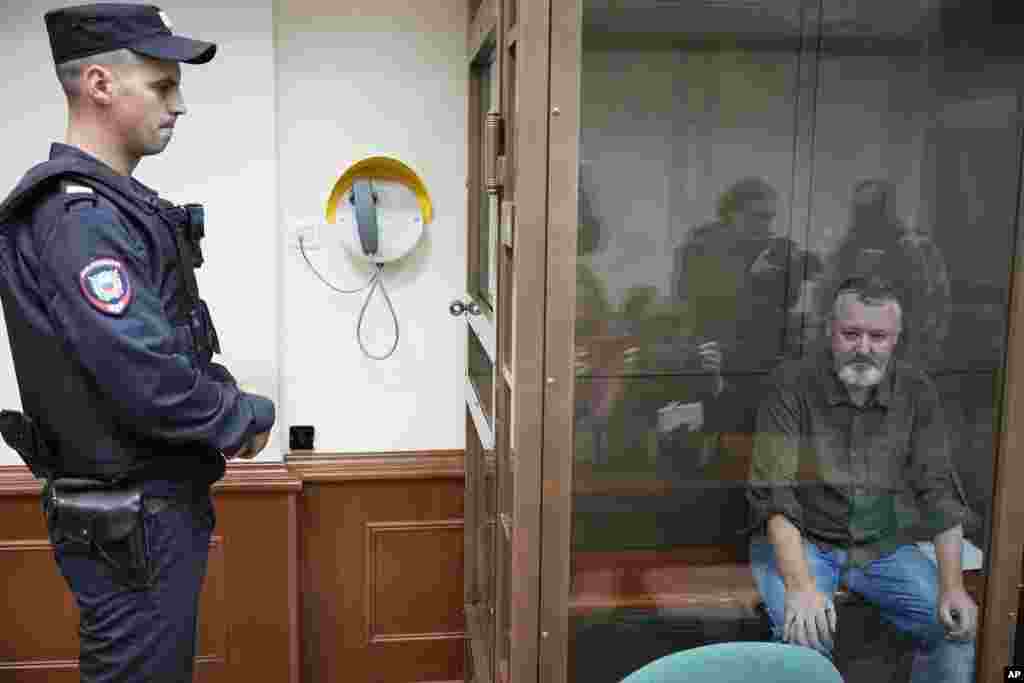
[{"x": 457, "y": 308}]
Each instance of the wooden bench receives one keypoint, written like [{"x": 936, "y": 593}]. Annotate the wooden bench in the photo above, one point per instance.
[
  {"x": 658, "y": 579},
  {"x": 665, "y": 579}
]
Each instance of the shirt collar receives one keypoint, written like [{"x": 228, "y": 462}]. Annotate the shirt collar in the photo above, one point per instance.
[{"x": 836, "y": 392}]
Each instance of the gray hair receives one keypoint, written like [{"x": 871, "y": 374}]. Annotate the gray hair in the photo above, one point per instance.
[
  {"x": 70, "y": 73},
  {"x": 871, "y": 290}
]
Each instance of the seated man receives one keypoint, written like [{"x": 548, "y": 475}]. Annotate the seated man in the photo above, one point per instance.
[{"x": 850, "y": 467}]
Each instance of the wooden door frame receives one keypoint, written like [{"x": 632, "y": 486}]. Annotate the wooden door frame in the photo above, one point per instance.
[
  {"x": 482, "y": 30},
  {"x": 530, "y": 151},
  {"x": 1004, "y": 578},
  {"x": 1003, "y": 581},
  {"x": 518, "y": 368},
  {"x": 562, "y": 178}
]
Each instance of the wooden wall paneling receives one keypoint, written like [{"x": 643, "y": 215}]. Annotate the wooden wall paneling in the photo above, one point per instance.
[
  {"x": 401, "y": 513},
  {"x": 38, "y": 616},
  {"x": 256, "y": 508},
  {"x": 382, "y": 568},
  {"x": 212, "y": 641},
  {"x": 248, "y": 621},
  {"x": 436, "y": 549}
]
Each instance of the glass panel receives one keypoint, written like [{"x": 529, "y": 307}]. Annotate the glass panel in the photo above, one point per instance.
[
  {"x": 481, "y": 374},
  {"x": 503, "y": 628},
  {"x": 484, "y": 270},
  {"x": 686, "y": 181},
  {"x": 480, "y": 546},
  {"x": 923, "y": 193},
  {"x": 712, "y": 236},
  {"x": 490, "y": 531}
]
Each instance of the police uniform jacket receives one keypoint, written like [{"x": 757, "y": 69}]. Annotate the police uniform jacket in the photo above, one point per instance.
[{"x": 117, "y": 383}]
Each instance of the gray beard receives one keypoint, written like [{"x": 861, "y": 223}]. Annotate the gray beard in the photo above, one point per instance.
[{"x": 864, "y": 378}]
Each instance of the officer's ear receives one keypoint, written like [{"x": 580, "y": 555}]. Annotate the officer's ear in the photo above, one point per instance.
[{"x": 98, "y": 84}]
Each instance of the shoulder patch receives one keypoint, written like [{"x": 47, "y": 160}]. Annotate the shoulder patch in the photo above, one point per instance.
[{"x": 105, "y": 286}]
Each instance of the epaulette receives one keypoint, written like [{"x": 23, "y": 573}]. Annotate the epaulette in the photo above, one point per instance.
[{"x": 75, "y": 193}]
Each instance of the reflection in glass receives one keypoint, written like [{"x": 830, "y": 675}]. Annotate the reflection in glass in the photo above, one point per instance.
[
  {"x": 481, "y": 373},
  {"x": 703, "y": 264},
  {"x": 484, "y": 261}
]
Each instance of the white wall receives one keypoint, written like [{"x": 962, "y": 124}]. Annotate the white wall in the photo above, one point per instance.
[
  {"x": 368, "y": 78},
  {"x": 232, "y": 174},
  {"x": 270, "y": 128}
]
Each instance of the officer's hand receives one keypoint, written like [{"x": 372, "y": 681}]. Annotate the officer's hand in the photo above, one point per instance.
[
  {"x": 242, "y": 452},
  {"x": 256, "y": 444},
  {"x": 959, "y": 614},
  {"x": 810, "y": 619}
]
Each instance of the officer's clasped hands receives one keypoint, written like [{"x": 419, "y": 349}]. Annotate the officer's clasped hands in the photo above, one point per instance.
[{"x": 251, "y": 449}]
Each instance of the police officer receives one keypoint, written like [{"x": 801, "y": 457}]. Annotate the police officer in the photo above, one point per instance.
[{"x": 113, "y": 348}]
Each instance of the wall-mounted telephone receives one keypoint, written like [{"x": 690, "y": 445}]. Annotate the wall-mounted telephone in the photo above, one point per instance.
[
  {"x": 364, "y": 199},
  {"x": 390, "y": 208}
]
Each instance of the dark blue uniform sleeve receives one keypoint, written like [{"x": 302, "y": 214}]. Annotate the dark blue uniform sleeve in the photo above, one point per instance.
[{"x": 104, "y": 303}]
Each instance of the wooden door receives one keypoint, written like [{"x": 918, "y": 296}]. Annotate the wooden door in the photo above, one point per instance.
[{"x": 504, "y": 318}]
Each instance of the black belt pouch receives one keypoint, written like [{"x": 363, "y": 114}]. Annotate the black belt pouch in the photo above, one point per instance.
[{"x": 91, "y": 515}]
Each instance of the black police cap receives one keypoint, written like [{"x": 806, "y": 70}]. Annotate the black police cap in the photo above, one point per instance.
[{"x": 85, "y": 30}]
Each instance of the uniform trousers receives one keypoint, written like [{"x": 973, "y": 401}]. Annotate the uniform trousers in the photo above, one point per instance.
[{"x": 143, "y": 631}]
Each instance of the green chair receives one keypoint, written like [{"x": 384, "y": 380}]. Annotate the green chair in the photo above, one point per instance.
[{"x": 740, "y": 662}]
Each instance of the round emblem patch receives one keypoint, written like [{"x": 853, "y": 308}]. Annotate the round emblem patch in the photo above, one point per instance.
[{"x": 105, "y": 285}]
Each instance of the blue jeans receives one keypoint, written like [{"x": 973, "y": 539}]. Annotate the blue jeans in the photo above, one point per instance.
[
  {"x": 904, "y": 585},
  {"x": 133, "y": 633}
]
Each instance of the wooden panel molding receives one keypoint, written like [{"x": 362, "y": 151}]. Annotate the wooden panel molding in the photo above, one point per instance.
[
  {"x": 300, "y": 546},
  {"x": 257, "y": 477},
  {"x": 435, "y": 549},
  {"x": 17, "y": 480},
  {"x": 322, "y": 468},
  {"x": 381, "y": 560}
]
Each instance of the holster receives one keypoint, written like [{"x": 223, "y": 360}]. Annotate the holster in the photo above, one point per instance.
[
  {"x": 22, "y": 434},
  {"x": 94, "y": 516}
]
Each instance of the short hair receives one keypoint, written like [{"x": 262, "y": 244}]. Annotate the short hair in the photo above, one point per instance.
[
  {"x": 870, "y": 290},
  {"x": 70, "y": 73},
  {"x": 741, "y": 193}
]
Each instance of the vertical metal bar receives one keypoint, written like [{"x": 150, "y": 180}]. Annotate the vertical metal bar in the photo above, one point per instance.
[{"x": 801, "y": 199}]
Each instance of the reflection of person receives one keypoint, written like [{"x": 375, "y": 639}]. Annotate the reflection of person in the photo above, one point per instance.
[
  {"x": 738, "y": 280},
  {"x": 112, "y": 348},
  {"x": 851, "y": 465},
  {"x": 878, "y": 243}
]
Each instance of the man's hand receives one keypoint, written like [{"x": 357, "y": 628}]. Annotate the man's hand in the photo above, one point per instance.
[
  {"x": 581, "y": 362},
  {"x": 958, "y": 613},
  {"x": 810, "y": 619},
  {"x": 763, "y": 265},
  {"x": 711, "y": 360}
]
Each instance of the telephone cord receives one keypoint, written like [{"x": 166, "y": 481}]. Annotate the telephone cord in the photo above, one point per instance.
[{"x": 373, "y": 283}]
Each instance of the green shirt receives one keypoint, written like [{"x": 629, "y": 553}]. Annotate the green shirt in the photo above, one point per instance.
[{"x": 864, "y": 478}]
